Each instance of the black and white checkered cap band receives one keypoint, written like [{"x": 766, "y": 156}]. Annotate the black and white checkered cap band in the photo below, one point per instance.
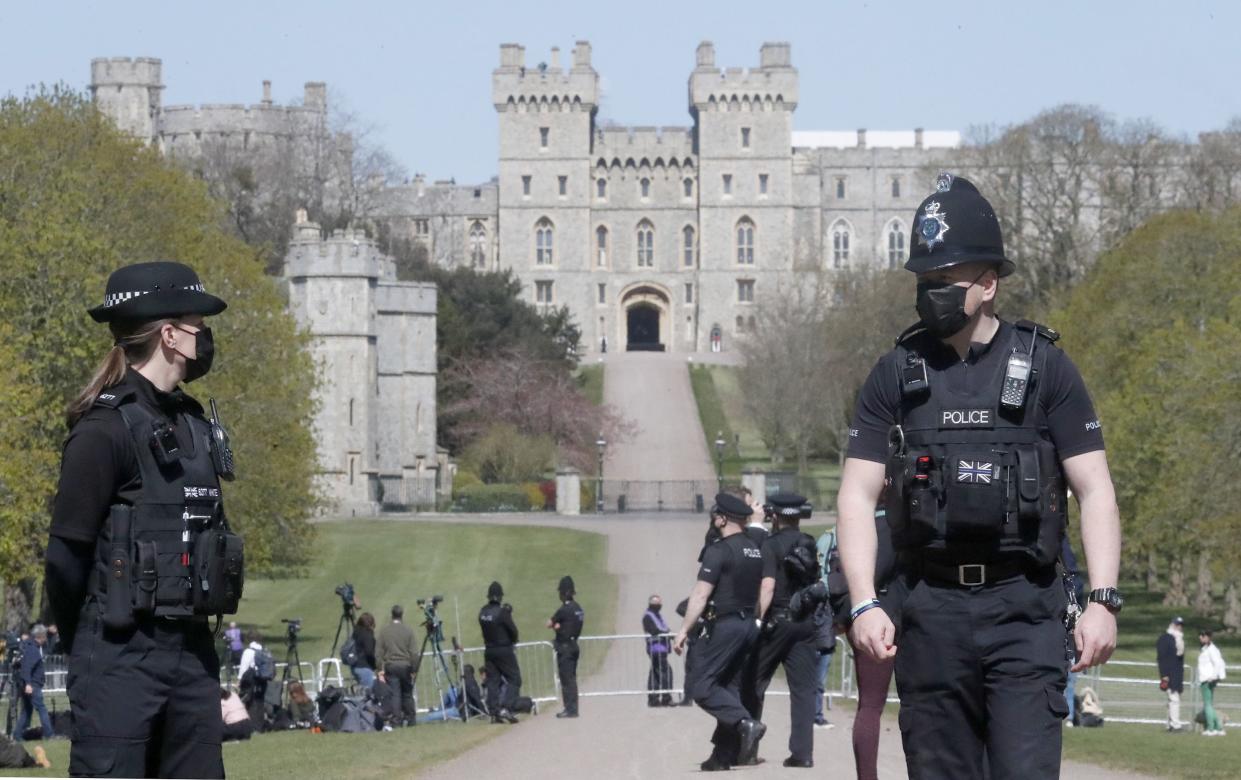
[{"x": 113, "y": 299}]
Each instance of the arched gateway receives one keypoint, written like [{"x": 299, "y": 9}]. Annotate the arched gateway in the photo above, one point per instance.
[{"x": 646, "y": 320}]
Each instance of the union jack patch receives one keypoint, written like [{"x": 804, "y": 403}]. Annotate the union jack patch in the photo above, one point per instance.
[{"x": 976, "y": 472}]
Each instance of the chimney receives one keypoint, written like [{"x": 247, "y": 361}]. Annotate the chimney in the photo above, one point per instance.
[
  {"x": 315, "y": 95},
  {"x": 917, "y": 137},
  {"x": 774, "y": 55},
  {"x": 861, "y": 138},
  {"x": 706, "y": 55},
  {"x": 581, "y": 55},
  {"x": 555, "y": 58},
  {"x": 420, "y": 184},
  {"x": 266, "y": 92},
  {"x": 512, "y": 56}
]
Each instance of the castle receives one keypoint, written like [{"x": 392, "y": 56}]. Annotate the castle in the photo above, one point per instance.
[{"x": 667, "y": 238}]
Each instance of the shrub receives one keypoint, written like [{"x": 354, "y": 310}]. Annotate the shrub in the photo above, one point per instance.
[
  {"x": 535, "y": 496},
  {"x": 491, "y": 498},
  {"x": 504, "y": 456}
]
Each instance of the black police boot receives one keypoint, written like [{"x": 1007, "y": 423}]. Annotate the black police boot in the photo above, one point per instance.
[
  {"x": 714, "y": 764},
  {"x": 751, "y": 732},
  {"x": 507, "y": 717},
  {"x": 800, "y": 763},
  {"x": 567, "y": 714}
]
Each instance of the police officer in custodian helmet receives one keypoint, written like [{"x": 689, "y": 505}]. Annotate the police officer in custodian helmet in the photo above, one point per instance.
[
  {"x": 978, "y": 426},
  {"x": 140, "y": 555}
]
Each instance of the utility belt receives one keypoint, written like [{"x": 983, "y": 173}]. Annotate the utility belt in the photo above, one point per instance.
[
  {"x": 567, "y": 641},
  {"x": 155, "y": 566},
  {"x": 780, "y": 615},
  {"x": 970, "y": 575}
]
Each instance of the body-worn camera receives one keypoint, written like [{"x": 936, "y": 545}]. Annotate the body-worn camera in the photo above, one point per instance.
[{"x": 164, "y": 444}]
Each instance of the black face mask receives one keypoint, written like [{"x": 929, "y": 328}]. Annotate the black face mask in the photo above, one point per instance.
[
  {"x": 204, "y": 347},
  {"x": 941, "y": 305},
  {"x": 655, "y": 608}
]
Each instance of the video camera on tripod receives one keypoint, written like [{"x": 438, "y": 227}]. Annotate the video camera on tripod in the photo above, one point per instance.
[
  {"x": 293, "y": 626},
  {"x": 431, "y": 620}
]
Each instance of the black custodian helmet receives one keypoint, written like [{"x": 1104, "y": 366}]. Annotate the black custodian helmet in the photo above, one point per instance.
[
  {"x": 150, "y": 291},
  {"x": 956, "y": 225}
]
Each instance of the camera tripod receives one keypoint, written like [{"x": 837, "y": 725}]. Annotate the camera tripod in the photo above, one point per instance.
[
  {"x": 346, "y": 619},
  {"x": 291, "y": 661},
  {"x": 439, "y": 666}
]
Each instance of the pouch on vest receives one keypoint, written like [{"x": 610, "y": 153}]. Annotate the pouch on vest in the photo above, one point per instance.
[
  {"x": 975, "y": 491},
  {"x": 118, "y": 608},
  {"x": 219, "y": 572},
  {"x": 146, "y": 580}
]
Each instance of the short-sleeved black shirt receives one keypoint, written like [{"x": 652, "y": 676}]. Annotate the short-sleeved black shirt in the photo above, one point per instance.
[
  {"x": 734, "y": 565},
  {"x": 1070, "y": 415},
  {"x": 99, "y": 461},
  {"x": 570, "y": 618},
  {"x": 775, "y": 549}
]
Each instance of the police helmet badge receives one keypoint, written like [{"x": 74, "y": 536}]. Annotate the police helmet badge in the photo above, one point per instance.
[
  {"x": 932, "y": 225},
  {"x": 943, "y": 182}
]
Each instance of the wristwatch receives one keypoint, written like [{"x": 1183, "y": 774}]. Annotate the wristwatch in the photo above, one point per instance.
[{"x": 1108, "y": 597}]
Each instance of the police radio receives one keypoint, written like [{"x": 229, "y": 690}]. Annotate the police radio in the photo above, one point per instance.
[
  {"x": 1016, "y": 380},
  {"x": 221, "y": 452}
]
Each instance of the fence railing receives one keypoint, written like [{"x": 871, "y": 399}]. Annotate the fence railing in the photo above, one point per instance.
[
  {"x": 620, "y": 495},
  {"x": 1128, "y": 690}
]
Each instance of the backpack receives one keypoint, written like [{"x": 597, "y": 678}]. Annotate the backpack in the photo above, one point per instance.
[
  {"x": 349, "y": 654},
  {"x": 264, "y": 665}
]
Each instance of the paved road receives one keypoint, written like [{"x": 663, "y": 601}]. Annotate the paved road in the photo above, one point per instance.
[
  {"x": 619, "y": 737},
  {"x": 653, "y": 391}
]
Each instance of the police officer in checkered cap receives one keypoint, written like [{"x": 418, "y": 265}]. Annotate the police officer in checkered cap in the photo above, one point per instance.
[
  {"x": 140, "y": 555},
  {"x": 979, "y": 427}
]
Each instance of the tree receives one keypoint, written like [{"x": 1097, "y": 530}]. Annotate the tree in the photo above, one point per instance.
[
  {"x": 78, "y": 200},
  {"x": 1156, "y": 331},
  {"x": 811, "y": 350}
]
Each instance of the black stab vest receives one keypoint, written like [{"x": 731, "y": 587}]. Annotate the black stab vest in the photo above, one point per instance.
[
  {"x": 970, "y": 481},
  {"x": 164, "y": 514}
]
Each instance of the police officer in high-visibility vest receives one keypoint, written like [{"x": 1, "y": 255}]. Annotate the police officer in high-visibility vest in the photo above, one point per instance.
[
  {"x": 980, "y": 427},
  {"x": 140, "y": 554}
]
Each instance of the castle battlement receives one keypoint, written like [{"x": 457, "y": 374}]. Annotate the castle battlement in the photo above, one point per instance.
[
  {"x": 644, "y": 146},
  {"x": 126, "y": 71},
  {"x": 547, "y": 86},
  {"x": 773, "y": 84}
]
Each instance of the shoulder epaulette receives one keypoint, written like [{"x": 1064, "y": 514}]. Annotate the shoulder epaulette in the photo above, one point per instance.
[
  {"x": 113, "y": 397},
  {"x": 910, "y": 332},
  {"x": 1044, "y": 331}
]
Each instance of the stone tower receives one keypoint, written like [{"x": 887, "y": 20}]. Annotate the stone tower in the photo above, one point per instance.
[
  {"x": 546, "y": 115},
  {"x": 744, "y": 123},
  {"x": 373, "y": 339},
  {"x": 129, "y": 90}
]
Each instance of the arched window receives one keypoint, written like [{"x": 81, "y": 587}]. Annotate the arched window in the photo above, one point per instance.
[
  {"x": 601, "y": 246},
  {"x": 646, "y": 244},
  {"x": 478, "y": 245},
  {"x": 688, "y": 246},
  {"x": 601, "y": 188},
  {"x": 646, "y": 188},
  {"x": 840, "y": 245},
  {"x": 896, "y": 245},
  {"x": 688, "y": 184},
  {"x": 745, "y": 241},
  {"x": 544, "y": 241}
]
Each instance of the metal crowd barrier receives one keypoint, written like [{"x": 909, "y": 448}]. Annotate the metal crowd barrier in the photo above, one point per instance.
[{"x": 1128, "y": 690}]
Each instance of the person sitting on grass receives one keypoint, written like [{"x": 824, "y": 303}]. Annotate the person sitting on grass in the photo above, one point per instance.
[{"x": 237, "y": 723}]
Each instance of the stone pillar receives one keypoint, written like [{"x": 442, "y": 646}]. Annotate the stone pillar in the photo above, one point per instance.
[
  {"x": 568, "y": 492},
  {"x": 756, "y": 481}
]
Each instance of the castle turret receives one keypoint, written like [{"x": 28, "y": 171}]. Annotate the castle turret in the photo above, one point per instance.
[{"x": 129, "y": 91}]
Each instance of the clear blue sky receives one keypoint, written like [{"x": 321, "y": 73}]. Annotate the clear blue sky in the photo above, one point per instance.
[{"x": 419, "y": 72}]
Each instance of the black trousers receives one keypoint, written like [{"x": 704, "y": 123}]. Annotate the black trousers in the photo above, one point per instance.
[
  {"x": 795, "y": 647},
  {"x": 145, "y": 702},
  {"x": 718, "y": 665},
  {"x": 501, "y": 666},
  {"x": 567, "y": 654},
  {"x": 401, "y": 677},
  {"x": 981, "y": 674},
  {"x": 659, "y": 679}
]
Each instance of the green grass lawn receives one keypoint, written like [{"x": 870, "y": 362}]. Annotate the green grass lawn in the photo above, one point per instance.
[
  {"x": 590, "y": 380},
  {"x": 721, "y": 409},
  {"x": 388, "y": 562},
  {"x": 1151, "y": 750}
]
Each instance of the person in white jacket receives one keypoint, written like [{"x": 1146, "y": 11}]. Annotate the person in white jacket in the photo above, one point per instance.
[{"x": 1210, "y": 672}]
